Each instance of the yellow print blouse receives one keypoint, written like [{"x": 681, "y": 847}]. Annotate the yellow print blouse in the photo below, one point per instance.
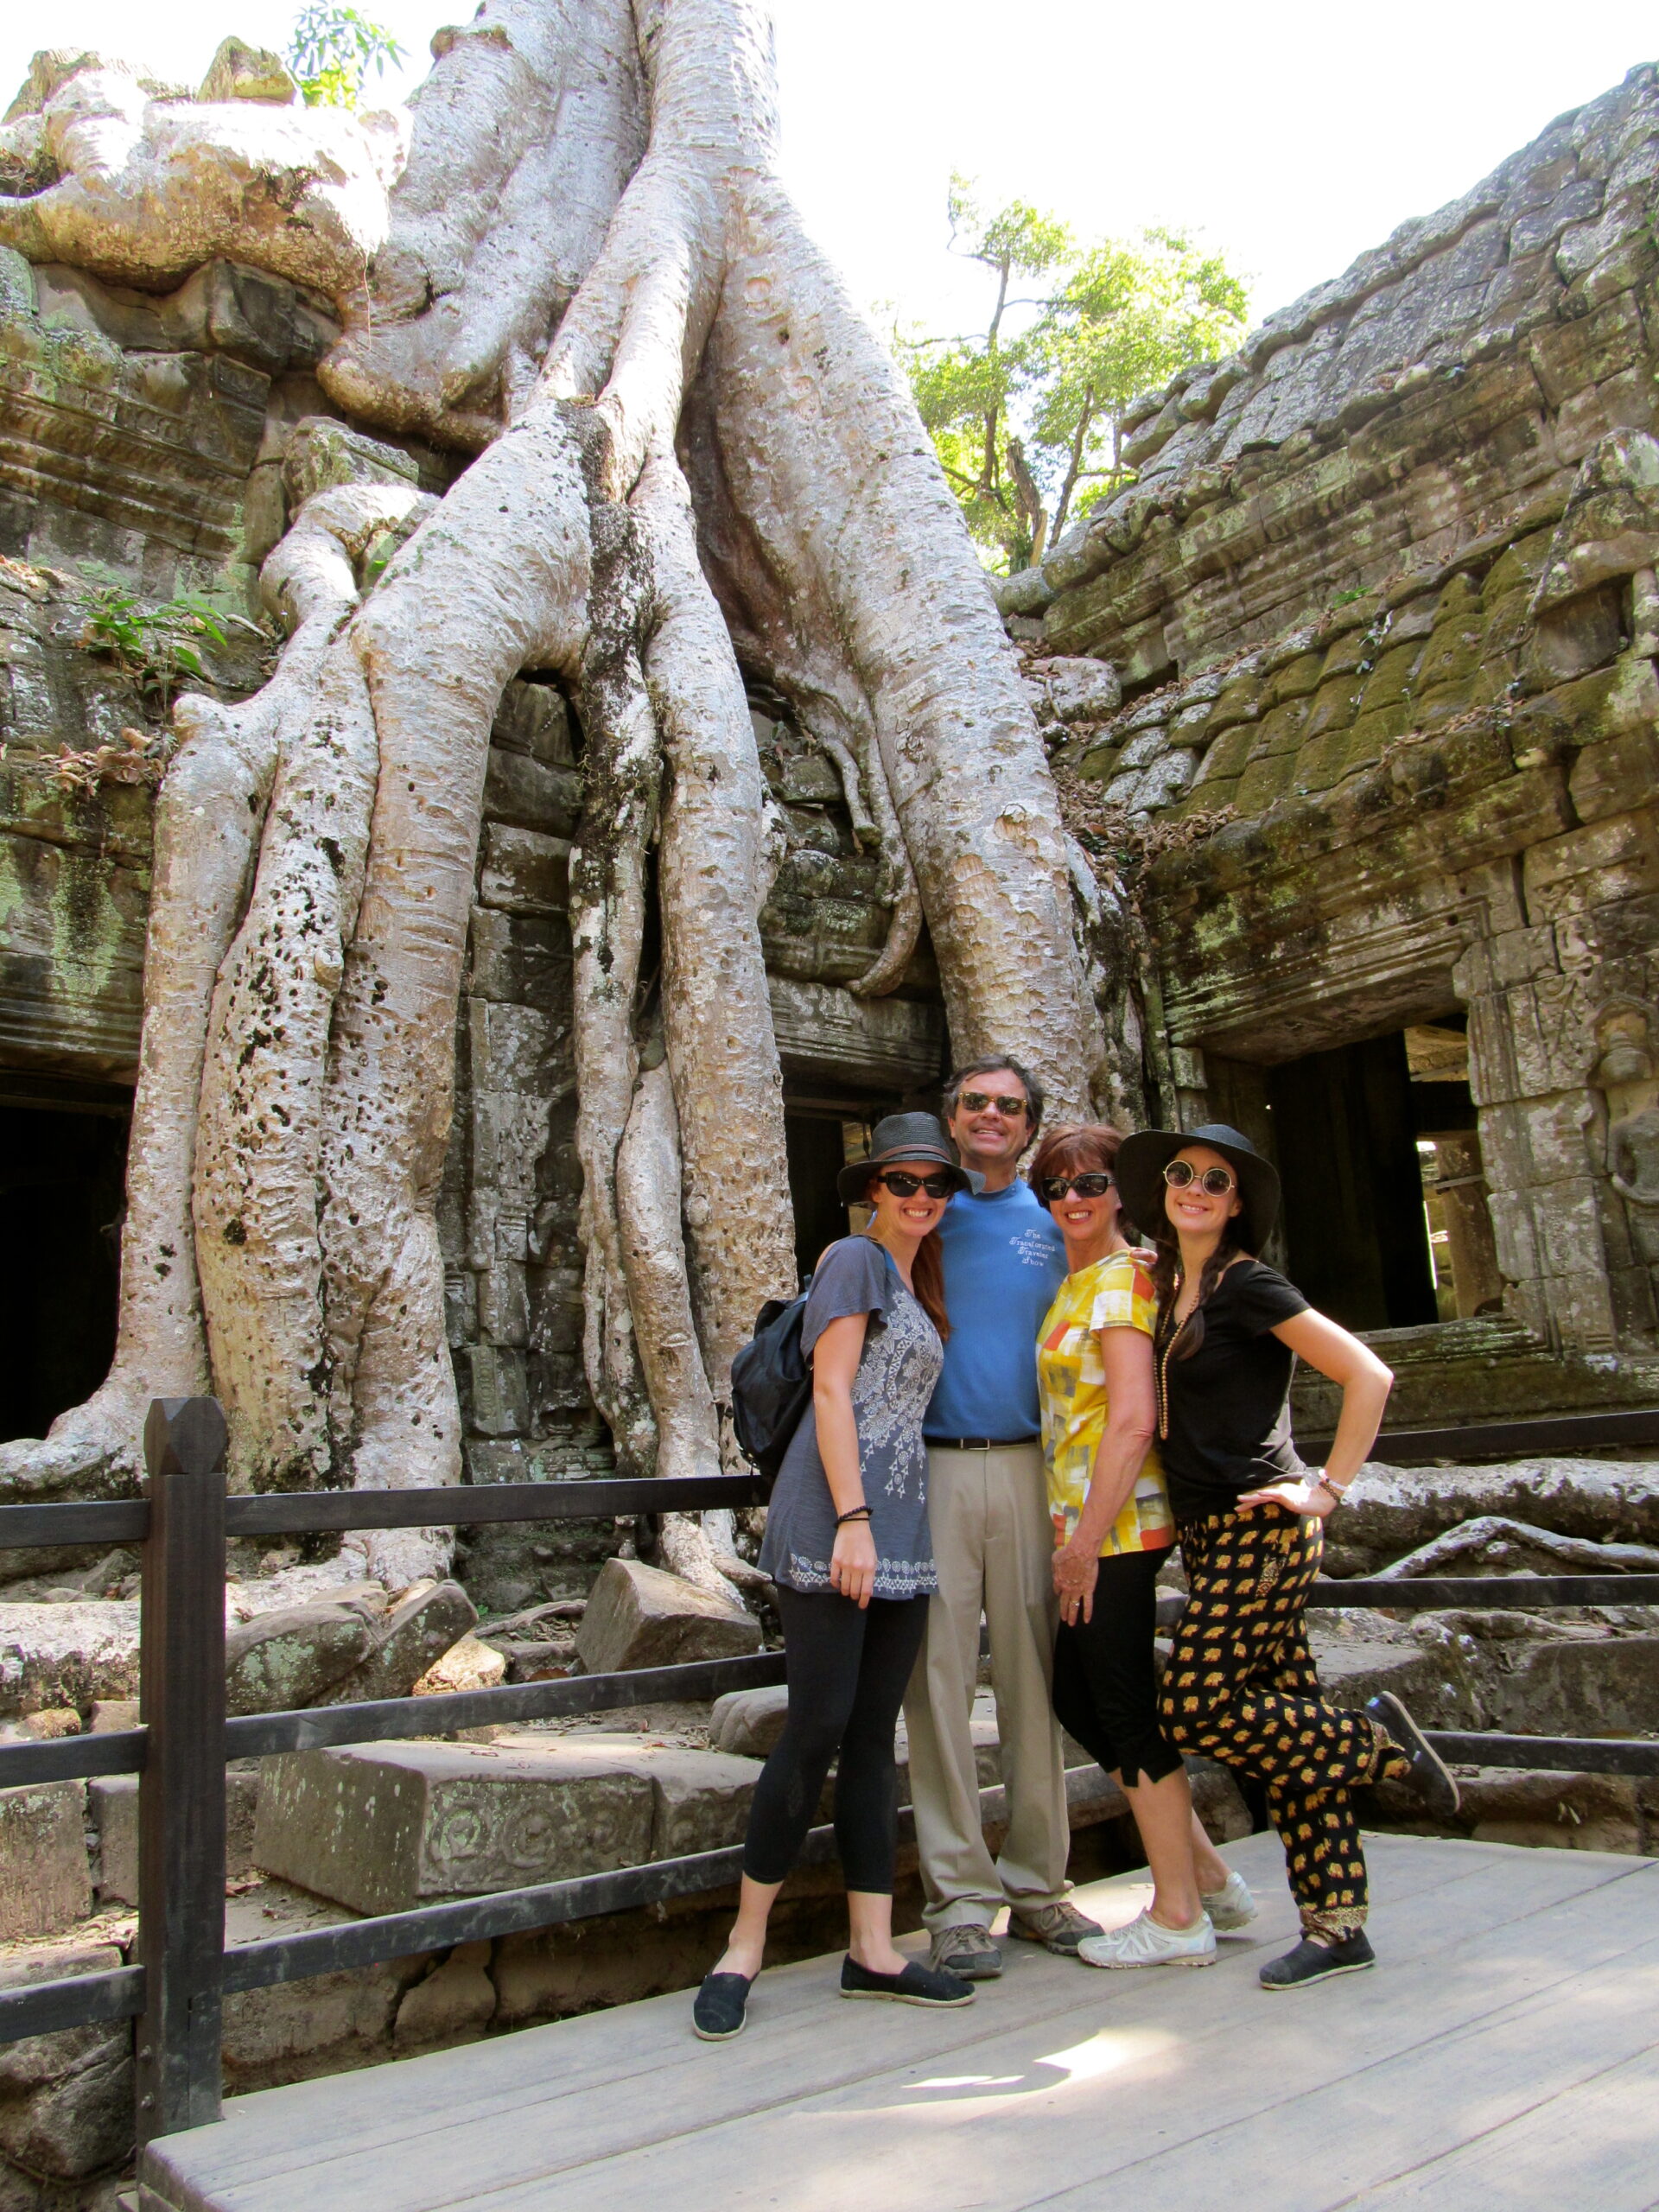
[{"x": 1115, "y": 1294}]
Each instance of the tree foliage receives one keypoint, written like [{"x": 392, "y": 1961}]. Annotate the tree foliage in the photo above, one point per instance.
[
  {"x": 1026, "y": 418},
  {"x": 332, "y": 50}
]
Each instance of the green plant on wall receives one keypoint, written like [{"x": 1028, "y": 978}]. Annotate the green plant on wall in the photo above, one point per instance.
[
  {"x": 332, "y": 50},
  {"x": 157, "y": 646},
  {"x": 1026, "y": 419}
]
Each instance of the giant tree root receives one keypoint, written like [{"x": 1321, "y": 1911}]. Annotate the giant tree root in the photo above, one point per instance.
[{"x": 694, "y": 454}]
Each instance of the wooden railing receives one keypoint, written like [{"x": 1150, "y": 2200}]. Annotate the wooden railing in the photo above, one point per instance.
[{"x": 176, "y": 1989}]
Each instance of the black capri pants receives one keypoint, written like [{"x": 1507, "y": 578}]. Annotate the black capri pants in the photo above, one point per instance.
[
  {"x": 848, "y": 1666},
  {"x": 1105, "y": 1682}
]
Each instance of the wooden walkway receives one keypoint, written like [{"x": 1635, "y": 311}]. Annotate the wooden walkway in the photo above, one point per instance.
[{"x": 1505, "y": 2052}]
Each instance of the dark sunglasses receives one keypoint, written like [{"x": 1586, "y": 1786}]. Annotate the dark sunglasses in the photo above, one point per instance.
[
  {"x": 975, "y": 1102},
  {"x": 1215, "y": 1182},
  {"x": 1095, "y": 1184},
  {"x": 905, "y": 1186}
]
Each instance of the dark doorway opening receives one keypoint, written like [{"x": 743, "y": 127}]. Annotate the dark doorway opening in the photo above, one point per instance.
[
  {"x": 1345, "y": 1130},
  {"x": 62, "y": 1176},
  {"x": 821, "y": 1135}
]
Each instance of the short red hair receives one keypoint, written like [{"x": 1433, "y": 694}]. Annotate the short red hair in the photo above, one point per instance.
[{"x": 1075, "y": 1149}]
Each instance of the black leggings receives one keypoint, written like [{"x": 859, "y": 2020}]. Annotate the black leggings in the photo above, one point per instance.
[
  {"x": 848, "y": 1670},
  {"x": 1105, "y": 1683}
]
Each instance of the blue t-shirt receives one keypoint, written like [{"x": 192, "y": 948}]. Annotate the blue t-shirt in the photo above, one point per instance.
[{"x": 1004, "y": 1260}]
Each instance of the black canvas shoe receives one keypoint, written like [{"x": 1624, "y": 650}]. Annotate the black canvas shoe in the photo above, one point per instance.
[
  {"x": 718, "y": 2014},
  {"x": 1429, "y": 1772},
  {"x": 1310, "y": 1962},
  {"x": 917, "y": 1984}
]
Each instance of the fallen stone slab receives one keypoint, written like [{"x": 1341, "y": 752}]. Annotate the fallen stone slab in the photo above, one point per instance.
[
  {"x": 67, "y": 1654},
  {"x": 1600, "y": 1686},
  {"x": 749, "y": 1722},
  {"x": 277, "y": 1661},
  {"x": 65, "y": 2099},
  {"x": 455, "y": 2001},
  {"x": 470, "y": 1664},
  {"x": 381, "y": 1828},
  {"x": 700, "y": 1800},
  {"x": 637, "y": 1616},
  {"x": 427, "y": 1620},
  {"x": 46, "y": 1877}
]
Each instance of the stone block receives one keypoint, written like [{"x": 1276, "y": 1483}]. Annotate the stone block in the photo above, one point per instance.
[
  {"x": 700, "y": 1800},
  {"x": 112, "y": 1809},
  {"x": 45, "y": 1877},
  {"x": 524, "y": 871},
  {"x": 637, "y": 1616},
  {"x": 457, "y": 1999},
  {"x": 322, "y": 453},
  {"x": 496, "y": 1388},
  {"x": 533, "y": 718},
  {"x": 65, "y": 2099},
  {"x": 532, "y": 793},
  {"x": 1617, "y": 858},
  {"x": 1562, "y": 1812},
  {"x": 240, "y": 72},
  {"x": 1607, "y": 1686},
  {"x": 281, "y": 1661},
  {"x": 382, "y": 1827},
  {"x": 469, "y": 1664},
  {"x": 749, "y": 1722},
  {"x": 67, "y": 1654},
  {"x": 429, "y": 1620},
  {"x": 1079, "y": 690},
  {"x": 1616, "y": 776}
]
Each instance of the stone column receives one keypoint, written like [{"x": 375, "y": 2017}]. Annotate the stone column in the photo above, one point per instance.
[{"x": 1471, "y": 1247}]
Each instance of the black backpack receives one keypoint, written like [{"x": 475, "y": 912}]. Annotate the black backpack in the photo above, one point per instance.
[{"x": 771, "y": 1383}]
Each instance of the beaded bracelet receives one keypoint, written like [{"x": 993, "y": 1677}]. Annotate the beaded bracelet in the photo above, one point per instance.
[{"x": 857, "y": 1513}]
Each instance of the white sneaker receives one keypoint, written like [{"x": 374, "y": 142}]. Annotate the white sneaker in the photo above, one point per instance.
[
  {"x": 1147, "y": 1942},
  {"x": 1230, "y": 1908}
]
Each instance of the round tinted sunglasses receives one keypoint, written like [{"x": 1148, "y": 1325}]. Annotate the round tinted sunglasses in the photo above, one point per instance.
[
  {"x": 905, "y": 1186},
  {"x": 1214, "y": 1182},
  {"x": 1094, "y": 1184}
]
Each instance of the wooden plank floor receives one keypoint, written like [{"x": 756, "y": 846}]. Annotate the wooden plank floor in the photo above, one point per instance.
[{"x": 1504, "y": 2053}]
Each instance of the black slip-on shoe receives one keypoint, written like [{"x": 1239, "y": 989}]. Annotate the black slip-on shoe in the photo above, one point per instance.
[
  {"x": 917, "y": 1984},
  {"x": 718, "y": 2013},
  {"x": 1310, "y": 1962},
  {"x": 1429, "y": 1772}
]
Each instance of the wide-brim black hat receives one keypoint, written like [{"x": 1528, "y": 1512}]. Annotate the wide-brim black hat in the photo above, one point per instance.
[
  {"x": 1143, "y": 1158},
  {"x": 904, "y": 1136}
]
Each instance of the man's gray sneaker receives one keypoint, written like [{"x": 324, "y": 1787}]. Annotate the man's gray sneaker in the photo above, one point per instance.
[
  {"x": 1058, "y": 1928},
  {"x": 966, "y": 1951}
]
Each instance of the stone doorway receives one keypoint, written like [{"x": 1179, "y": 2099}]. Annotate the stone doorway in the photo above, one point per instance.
[
  {"x": 63, "y": 1152},
  {"x": 821, "y": 1134}
]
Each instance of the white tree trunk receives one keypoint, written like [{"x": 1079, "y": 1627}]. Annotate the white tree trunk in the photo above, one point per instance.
[{"x": 590, "y": 268}]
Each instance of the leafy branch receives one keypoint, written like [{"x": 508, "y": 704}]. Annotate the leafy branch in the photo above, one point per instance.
[
  {"x": 156, "y": 646},
  {"x": 332, "y": 51}
]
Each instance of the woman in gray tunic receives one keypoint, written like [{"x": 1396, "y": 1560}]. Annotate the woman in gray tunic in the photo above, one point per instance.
[{"x": 848, "y": 1548}]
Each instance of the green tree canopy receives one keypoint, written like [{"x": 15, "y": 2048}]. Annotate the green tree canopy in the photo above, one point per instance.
[
  {"x": 332, "y": 50},
  {"x": 1026, "y": 419}
]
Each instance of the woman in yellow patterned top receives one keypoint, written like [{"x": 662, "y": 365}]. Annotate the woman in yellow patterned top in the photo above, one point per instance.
[{"x": 1113, "y": 1529}]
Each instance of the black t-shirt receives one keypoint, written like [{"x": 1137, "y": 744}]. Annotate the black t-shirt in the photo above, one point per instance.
[{"x": 1229, "y": 1404}]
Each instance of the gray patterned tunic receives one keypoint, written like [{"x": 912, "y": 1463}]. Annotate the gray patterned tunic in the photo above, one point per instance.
[{"x": 897, "y": 1371}]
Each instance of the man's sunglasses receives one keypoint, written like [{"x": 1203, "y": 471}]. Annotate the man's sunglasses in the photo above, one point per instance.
[
  {"x": 1092, "y": 1185},
  {"x": 975, "y": 1102},
  {"x": 905, "y": 1186},
  {"x": 1214, "y": 1182}
]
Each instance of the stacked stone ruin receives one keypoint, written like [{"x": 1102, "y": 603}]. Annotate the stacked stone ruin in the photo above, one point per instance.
[{"x": 1352, "y": 694}]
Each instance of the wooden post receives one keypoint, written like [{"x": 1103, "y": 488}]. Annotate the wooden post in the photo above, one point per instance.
[{"x": 181, "y": 1791}]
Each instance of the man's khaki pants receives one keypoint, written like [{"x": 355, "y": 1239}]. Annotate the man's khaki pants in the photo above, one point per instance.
[{"x": 994, "y": 1543}]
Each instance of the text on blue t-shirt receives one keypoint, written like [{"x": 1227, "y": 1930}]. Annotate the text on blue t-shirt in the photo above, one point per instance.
[{"x": 1004, "y": 1260}]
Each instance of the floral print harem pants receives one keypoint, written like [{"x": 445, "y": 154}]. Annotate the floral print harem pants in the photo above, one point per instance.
[{"x": 1239, "y": 1687}]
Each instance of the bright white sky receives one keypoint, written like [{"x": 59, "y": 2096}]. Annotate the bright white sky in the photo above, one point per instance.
[{"x": 1295, "y": 133}]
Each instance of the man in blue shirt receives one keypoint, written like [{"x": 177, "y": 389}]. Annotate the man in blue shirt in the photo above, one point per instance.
[{"x": 994, "y": 1543}]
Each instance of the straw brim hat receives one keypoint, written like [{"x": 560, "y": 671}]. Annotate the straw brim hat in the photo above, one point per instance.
[
  {"x": 904, "y": 1136},
  {"x": 1143, "y": 1158}
]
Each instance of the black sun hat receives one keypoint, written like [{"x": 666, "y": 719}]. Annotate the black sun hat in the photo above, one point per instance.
[
  {"x": 1144, "y": 1156},
  {"x": 904, "y": 1136}
]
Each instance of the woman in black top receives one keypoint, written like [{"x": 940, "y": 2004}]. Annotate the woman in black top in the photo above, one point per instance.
[{"x": 1240, "y": 1685}]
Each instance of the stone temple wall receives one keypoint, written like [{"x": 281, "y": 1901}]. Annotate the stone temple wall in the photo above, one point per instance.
[{"x": 1382, "y": 601}]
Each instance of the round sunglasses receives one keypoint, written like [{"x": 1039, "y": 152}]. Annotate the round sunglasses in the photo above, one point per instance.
[
  {"x": 1214, "y": 1182},
  {"x": 905, "y": 1186},
  {"x": 1094, "y": 1184}
]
